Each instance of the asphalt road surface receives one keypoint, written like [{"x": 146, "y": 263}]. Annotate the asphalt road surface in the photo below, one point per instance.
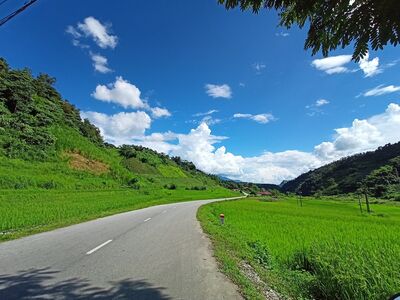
[{"x": 158, "y": 252}]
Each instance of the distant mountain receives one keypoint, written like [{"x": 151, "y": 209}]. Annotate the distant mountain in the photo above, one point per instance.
[
  {"x": 377, "y": 170},
  {"x": 224, "y": 178}
]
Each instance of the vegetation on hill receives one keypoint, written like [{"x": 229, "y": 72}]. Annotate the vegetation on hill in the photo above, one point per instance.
[
  {"x": 377, "y": 172},
  {"x": 313, "y": 249},
  {"x": 51, "y": 156}
]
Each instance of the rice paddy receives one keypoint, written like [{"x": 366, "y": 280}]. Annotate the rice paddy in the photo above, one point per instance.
[{"x": 322, "y": 250}]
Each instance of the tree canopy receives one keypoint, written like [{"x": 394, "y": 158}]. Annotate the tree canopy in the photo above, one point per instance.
[{"x": 369, "y": 24}]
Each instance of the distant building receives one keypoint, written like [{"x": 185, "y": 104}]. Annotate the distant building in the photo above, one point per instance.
[{"x": 264, "y": 193}]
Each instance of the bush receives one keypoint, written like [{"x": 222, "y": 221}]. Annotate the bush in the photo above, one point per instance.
[
  {"x": 48, "y": 185},
  {"x": 171, "y": 186},
  {"x": 133, "y": 181}
]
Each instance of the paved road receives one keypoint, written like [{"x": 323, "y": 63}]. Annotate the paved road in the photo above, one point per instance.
[{"x": 155, "y": 253}]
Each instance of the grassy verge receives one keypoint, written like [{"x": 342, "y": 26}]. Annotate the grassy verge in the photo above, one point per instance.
[
  {"x": 322, "y": 250},
  {"x": 25, "y": 212}
]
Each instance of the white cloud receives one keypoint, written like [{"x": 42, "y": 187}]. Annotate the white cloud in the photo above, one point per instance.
[
  {"x": 282, "y": 34},
  {"x": 259, "y": 67},
  {"x": 92, "y": 28},
  {"x": 260, "y": 118},
  {"x": 333, "y": 64},
  {"x": 363, "y": 135},
  {"x": 199, "y": 146},
  {"x": 218, "y": 91},
  {"x": 209, "y": 120},
  {"x": 120, "y": 128},
  {"x": 158, "y": 112},
  {"x": 158, "y": 141},
  {"x": 370, "y": 67},
  {"x": 337, "y": 64},
  {"x": 100, "y": 33},
  {"x": 321, "y": 102},
  {"x": 212, "y": 111},
  {"x": 121, "y": 92},
  {"x": 72, "y": 31},
  {"x": 315, "y": 108},
  {"x": 76, "y": 35},
  {"x": 100, "y": 63},
  {"x": 381, "y": 90}
]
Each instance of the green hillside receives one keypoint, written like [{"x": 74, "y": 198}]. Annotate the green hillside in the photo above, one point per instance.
[
  {"x": 47, "y": 153},
  {"x": 376, "y": 171}
]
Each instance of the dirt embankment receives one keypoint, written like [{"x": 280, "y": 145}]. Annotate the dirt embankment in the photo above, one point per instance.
[{"x": 79, "y": 162}]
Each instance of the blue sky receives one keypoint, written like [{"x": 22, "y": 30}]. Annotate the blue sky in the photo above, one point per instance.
[{"x": 268, "y": 95}]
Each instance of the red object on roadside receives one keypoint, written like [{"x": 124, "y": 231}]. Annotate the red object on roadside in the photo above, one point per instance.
[{"x": 222, "y": 216}]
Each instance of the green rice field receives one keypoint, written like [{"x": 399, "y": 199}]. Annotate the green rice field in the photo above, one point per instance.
[{"x": 324, "y": 249}]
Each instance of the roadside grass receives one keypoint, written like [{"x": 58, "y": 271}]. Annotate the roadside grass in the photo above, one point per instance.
[
  {"x": 323, "y": 250},
  {"x": 27, "y": 212},
  {"x": 171, "y": 171}
]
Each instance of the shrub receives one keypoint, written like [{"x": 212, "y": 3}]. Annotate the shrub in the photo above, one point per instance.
[
  {"x": 171, "y": 186},
  {"x": 48, "y": 185}
]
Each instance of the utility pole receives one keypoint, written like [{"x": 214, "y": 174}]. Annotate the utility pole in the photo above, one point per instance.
[
  {"x": 359, "y": 203},
  {"x": 366, "y": 199},
  {"x": 300, "y": 198}
]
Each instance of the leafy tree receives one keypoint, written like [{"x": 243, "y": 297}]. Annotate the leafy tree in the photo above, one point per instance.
[
  {"x": 336, "y": 23},
  {"x": 29, "y": 107},
  {"x": 380, "y": 180},
  {"x": 91, "y": 132}
]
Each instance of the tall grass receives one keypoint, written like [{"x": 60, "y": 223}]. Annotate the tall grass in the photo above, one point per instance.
[{"x": 325, "y": 249}]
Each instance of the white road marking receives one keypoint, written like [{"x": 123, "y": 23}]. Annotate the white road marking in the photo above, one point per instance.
[
  {"x": 98, "y": 247},
  {"x": 148, "y": 219}
]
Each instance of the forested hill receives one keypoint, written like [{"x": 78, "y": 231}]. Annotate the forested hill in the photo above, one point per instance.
[
  {"x": 44, "y": 144},
  {"x": 377, "y": 170}
]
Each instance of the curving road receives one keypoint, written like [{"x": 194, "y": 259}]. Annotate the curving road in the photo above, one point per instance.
[{"x": 158, "y": 252}]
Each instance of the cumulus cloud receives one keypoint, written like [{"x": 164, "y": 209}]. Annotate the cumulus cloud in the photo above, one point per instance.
[
  {"x": 333, "y": 64},
  {"x": 370, "y": 67},
  {"x": 259, "y": 118},
  {"x": 363, "y": 135},
  {"x": 218, "y": 91},
  {"x": 121, "y": 92},
  {"x": 100, "y": 63},
  {"x": 120, "y": 128},
  {"x": 93, "y": 28},
  {"x": 100, "y": 34},
  {"x": 338, "y": 64},
  {"x": 200, "y": 147},
  {"x": 381, "y": 90},
  {"x": 158, "y": 141},
  {"x": 158, "y": 112}
]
